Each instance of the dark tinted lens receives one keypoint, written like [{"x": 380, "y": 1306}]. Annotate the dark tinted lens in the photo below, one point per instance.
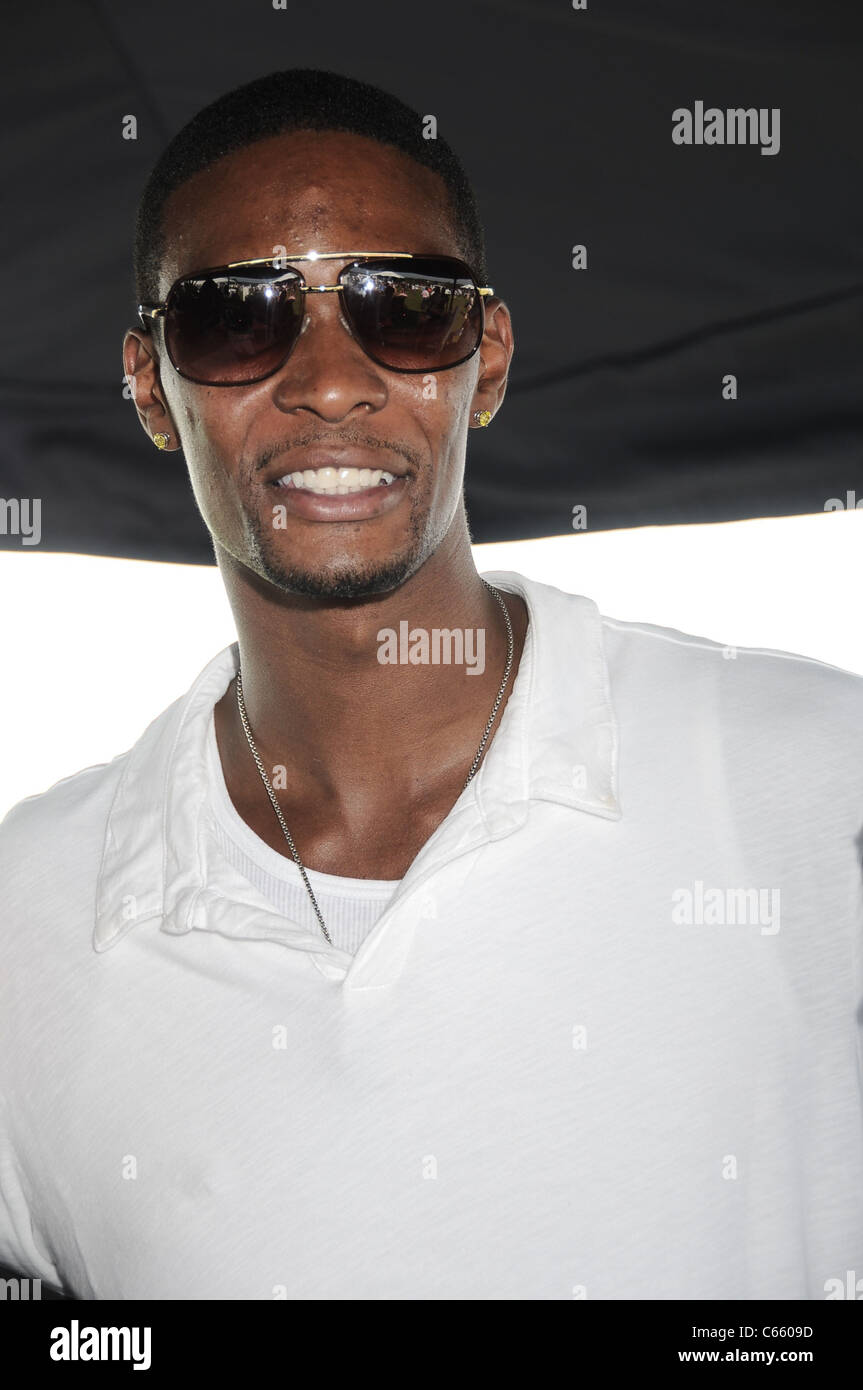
[
  {"x": 415, "y": 315},
  {"x": 228, "y": 329}
]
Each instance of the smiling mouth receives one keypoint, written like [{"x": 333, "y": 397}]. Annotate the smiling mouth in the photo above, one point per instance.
[{"x": 336, "y": 482}]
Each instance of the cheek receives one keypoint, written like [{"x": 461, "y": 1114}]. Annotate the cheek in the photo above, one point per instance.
[
  {"x": 443, "y": 418},
  {"x": 212, "y": 465},
  {"x": 450, "y": 464}
]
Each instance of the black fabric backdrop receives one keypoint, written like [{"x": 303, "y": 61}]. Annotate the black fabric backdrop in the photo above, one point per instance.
[{"x": 702, "y": 260}]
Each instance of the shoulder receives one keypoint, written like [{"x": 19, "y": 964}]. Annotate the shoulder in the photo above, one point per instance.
[
  {"x": 79, "y": 797},
  {"x": 664, "y": 660},
  {"x": 52, "y": 842},
  {"x": 789, "y": 678},
  {"x": 65, "y": 822},
  {"x": 791, "y": 722}
]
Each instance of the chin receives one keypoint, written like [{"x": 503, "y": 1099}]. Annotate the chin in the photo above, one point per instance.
[
  {"x": 345, "y": 576},
  {"x": 343, "y": 580}
]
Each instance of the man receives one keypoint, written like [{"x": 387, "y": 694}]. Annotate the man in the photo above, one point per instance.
[{"x": 370, "y": 975}]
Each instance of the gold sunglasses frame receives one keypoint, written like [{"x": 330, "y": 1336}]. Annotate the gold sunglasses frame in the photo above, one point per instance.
[{"x": 156, "y": 311}]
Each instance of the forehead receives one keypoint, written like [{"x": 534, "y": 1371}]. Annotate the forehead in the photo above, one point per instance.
[{"x": 307, "y": 190}]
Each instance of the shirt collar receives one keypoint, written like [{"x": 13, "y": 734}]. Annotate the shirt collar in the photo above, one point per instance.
[{"x": 557, "y": 741}]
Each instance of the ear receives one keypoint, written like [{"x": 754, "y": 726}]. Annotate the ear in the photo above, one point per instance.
[
  {"x": 495, "y": 355},
  {"x": 141, "y": 369}
]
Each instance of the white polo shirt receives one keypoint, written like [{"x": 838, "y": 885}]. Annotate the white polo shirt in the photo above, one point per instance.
[{"x": 602, "y": 1040}]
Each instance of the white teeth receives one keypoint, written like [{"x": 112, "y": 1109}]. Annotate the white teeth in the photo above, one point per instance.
[{"x": 337, "y": 480}]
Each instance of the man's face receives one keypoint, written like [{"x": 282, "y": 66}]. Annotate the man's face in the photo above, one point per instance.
[{"x": 330, "y": 403}]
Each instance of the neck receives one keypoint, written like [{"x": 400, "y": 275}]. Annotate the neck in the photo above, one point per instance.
[{"x": 321, "y": 703}]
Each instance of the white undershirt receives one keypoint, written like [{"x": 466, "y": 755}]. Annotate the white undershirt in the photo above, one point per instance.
[{"x": 350, "y": 906}]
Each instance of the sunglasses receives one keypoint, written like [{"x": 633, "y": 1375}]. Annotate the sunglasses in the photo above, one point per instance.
[{"x": 239, "y": 323}]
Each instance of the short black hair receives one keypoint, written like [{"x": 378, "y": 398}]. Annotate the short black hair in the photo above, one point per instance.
[{"x": 297, "y": 99}]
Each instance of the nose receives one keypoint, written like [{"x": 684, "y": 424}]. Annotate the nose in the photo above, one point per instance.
[{"x": 328, "y": 372}]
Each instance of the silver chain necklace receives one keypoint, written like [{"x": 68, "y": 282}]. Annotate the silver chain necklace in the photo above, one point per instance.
[{"x": 241, "y": 705}]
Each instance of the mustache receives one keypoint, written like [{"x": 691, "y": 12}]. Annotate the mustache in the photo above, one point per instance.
[{"x": 354, "y": 440}]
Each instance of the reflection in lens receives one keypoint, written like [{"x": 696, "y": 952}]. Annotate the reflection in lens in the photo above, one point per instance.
[
  {"x": 412, "y": 319},
  {"x": 226, "y": 329}
]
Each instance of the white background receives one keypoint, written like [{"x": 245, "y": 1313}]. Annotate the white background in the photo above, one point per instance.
[{"x": 94, "y": 649}]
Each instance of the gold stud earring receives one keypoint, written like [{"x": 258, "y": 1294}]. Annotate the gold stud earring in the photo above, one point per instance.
[
  {"x": 483, "y": 417},
  {"x": 161, "y": 440}
]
